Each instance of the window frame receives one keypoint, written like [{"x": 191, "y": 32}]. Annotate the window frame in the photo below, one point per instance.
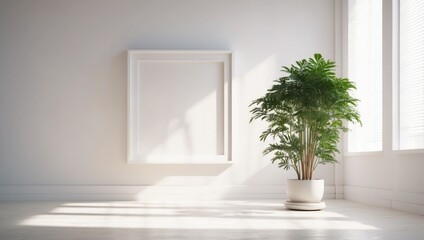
[{"x": 391, "y": 79}]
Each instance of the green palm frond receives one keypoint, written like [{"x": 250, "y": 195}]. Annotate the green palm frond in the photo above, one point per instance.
[{"x": 305, "y": 112}]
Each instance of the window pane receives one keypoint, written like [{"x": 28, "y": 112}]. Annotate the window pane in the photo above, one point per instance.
[
  {"x": 411, "y": 94},
  {"x": 365, "y": 69}
]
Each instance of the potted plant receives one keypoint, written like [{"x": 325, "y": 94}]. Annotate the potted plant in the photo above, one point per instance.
[{"x": 306, "y": 112}]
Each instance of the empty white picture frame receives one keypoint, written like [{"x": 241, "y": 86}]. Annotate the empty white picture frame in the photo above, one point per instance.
[{"x": 179, "y": 106}]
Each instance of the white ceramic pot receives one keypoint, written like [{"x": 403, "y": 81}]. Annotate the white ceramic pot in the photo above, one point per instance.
[{"x": 305, "y": 191}]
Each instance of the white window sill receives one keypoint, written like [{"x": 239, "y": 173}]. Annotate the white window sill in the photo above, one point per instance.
[
  {"x": 354, "y": 154},
  {"x": 408, "y": 151}
]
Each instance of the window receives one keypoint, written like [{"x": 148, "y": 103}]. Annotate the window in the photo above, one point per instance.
[
  {"x": 411, "y": 74},
  {"x": 365, "y": 69}
]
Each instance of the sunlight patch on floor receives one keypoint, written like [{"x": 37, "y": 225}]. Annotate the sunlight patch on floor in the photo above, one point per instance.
[{"x": 216, "y": 215}]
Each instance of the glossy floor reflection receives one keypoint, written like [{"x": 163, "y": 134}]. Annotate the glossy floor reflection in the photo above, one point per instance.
[{"x": 203, "y": 220}]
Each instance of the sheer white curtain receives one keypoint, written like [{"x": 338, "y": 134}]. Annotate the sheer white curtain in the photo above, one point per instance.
[
  {"x": 365, "y": 69},
  {"x": 411, "y": 69}
]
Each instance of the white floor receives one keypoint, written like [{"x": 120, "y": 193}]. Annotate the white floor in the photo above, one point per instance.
[{"x": 203, "y": 220}]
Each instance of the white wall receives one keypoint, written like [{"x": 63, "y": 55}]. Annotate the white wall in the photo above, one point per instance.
[
  {"x": 392, "y": 180},
  {"x": 63, "y": 91}
]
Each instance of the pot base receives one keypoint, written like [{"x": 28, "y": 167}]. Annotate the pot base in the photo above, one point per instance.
[{"x": 304, "y": 206}]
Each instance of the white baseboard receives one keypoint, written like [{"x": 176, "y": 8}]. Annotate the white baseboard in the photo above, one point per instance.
[
  {"x": 339, "y": 192},
  {"x": 400, "y": 200},
  {"x": 148, "y": 193},
  {"x": 408, "y": 207}
]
